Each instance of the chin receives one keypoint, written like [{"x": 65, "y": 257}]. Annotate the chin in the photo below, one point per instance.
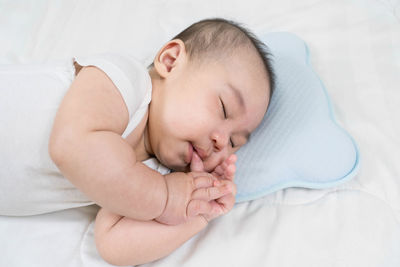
[{"x": 173, "y": 163}]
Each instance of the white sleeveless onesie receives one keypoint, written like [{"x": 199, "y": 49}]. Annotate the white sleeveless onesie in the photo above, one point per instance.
[{"x": 30, "y": 183}]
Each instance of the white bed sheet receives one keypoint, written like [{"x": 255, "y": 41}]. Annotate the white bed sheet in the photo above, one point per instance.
[{"x": 355, "y": 48}]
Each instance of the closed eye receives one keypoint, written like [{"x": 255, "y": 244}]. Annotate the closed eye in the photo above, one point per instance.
[
  {"x": 225, "y": 116},
  {"x": 232, "y": 144},
  {"x": 223, "y": 108}
]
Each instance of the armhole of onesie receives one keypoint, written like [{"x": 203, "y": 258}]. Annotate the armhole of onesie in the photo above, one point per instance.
[
  {"x": 115, "y": 74},
  {"x": 130, "y": 78},
  {"x": 76, "y": 67}
]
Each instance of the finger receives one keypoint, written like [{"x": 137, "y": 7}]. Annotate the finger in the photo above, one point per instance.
[
  {"x": 226, "y": 202},
  {"x": 200, "y": 174},
  {"x": 218, "y": 171},
  {"x": 231, "y": 185},
  {"x": 217, "y": 209},
  {"x": 232, "y": 158},
  {"x": 196, "y": 207},
  {"x": 196, "y": 164},
  {"x": 227, "y": 173},
  {"x": 211, "y": 193},
  {"x": 222, "y": 167},
  {"x": 204, "y": 181},
  {"x": 234, "y": 189},
  {"x": 230, "y": 172}
]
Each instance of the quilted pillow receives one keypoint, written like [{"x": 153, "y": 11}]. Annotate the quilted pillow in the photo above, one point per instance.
[{"x": 298, "y": 143}]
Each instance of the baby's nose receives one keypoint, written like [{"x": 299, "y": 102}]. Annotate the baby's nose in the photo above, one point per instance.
[{"x": 220, "y": 140}]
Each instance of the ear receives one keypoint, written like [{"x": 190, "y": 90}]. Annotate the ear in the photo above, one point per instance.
[{"x": 169, "y": 56}]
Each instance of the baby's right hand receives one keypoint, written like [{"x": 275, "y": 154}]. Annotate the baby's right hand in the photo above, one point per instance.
[
  {"x": 224, "y": 173},
  {"x": 190, "y": 194}
]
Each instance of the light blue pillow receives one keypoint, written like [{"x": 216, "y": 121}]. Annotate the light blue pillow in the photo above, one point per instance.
[{"x": 298, "y": 143}]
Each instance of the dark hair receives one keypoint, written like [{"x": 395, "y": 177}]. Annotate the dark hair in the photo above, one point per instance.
[{"x": 222, "y": 36}]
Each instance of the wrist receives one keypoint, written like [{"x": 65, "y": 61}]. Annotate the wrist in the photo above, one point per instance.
[
  {"x": 165, "y": 196},
  {"x": 198, "y": 222}
]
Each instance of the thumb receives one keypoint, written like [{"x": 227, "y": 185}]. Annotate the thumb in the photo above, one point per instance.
[{"x": 196, "y": 165}]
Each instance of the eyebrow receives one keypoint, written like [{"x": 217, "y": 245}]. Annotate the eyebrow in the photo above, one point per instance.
[{"x": 238, "y": 95}]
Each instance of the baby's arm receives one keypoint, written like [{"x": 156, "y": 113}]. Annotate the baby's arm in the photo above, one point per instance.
[
  {"x": 87, "y": 147},
  {"x": 124, "y": 241}
]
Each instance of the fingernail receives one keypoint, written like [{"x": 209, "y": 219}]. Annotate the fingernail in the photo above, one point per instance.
[
  {"x": 217, "y": 183},
  {"x": 227, "y": 189}
]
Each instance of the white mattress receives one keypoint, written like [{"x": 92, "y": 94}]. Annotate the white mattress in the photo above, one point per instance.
[{"x": 355, "y": 48}]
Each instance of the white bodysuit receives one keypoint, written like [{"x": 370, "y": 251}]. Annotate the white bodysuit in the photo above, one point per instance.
[{"x": 30, "y": 183}]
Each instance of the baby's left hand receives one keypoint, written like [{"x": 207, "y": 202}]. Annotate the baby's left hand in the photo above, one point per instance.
[{"x": 225, "y": 173}]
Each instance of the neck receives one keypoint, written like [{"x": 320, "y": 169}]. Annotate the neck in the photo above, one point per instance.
[
  {"x": 143, "y": 149},
  {"x": 146, "y": 143}
]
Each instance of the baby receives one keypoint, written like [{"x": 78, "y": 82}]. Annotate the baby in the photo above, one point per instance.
[{"x": 209, "y": 88}]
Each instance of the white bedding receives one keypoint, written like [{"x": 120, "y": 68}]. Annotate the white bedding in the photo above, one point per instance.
[{"x": 355, "y": 48}]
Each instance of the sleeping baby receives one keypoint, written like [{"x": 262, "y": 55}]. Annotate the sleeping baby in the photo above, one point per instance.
[{"x": 192, "y": 109}]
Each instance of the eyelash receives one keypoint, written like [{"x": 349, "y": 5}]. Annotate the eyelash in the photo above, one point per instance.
[{"x": 223, "y": 109}]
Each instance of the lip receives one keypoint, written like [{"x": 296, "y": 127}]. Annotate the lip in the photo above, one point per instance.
[
  {"x": 189, "y": 154},
  {"x": 202, "y": 153}
]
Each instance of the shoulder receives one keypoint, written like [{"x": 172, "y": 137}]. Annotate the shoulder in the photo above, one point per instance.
[
  {"x": 128, "y": 74},
  {"x": 118, "y": 63}
]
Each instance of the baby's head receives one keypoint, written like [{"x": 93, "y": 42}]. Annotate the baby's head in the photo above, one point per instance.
[{"x": 212, "y": 84}]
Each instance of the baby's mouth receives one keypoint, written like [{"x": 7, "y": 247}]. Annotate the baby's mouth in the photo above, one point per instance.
[
  {"x": 196, "y": 164},
  {"x": 191, "y": 151}
]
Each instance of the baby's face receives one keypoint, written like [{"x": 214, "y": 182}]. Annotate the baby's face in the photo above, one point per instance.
[{"x": 209, "y": 109}]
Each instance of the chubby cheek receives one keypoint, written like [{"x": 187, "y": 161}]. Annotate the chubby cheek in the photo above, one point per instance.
[
  {"x": 170, "y": 154},
  {"x": 193, "y": 128},
  {"x": 214, "y": 160}
]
